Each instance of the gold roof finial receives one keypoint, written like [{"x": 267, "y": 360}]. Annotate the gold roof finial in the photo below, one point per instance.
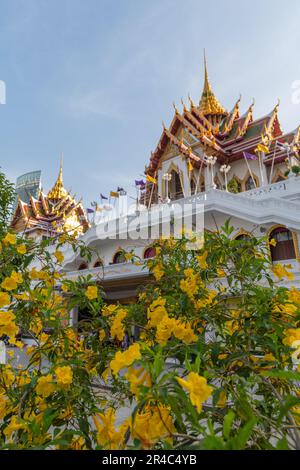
[
  {"x": 208, "y": 103},
  {"x": 58, "y": 191}
]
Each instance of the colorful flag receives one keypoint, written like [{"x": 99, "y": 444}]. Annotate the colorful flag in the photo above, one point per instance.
[
  {"x": 151, "y": 179},
  {"x": 103, "y": 197},
  {"x": 90, "y": 211},
  {"x": 140, "y": 183},
  {"x": 249, "y": 156},
  {"x": 283, "y": 146},
  {"x": 114, "y": 194},
  {"x": 262, "y": 148}
]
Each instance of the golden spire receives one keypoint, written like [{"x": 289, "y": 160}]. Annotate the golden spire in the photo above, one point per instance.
[
  {"x": 209, "y": 105},
  {"x": 58, "y": 191}
]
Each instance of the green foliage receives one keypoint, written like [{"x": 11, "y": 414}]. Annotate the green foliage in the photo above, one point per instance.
[
  {"x": 211, "y": 366},
  {"x": 296, "y": 169},
  {"x": 7, "y": 197},
  {"x": 233, "y": 186}
]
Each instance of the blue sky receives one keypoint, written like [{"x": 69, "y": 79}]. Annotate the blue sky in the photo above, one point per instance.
[{"x": 95, "y": 78}]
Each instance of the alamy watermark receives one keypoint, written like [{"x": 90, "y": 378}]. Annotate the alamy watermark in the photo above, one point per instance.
[
  {"x": 2, "y": 92},
  {"x": 167, "y": 220}
]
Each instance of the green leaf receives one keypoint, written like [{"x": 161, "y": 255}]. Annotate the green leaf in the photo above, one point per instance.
[
  {"x": 227, "y": 424},
  {"x": 240, "y": 440}
]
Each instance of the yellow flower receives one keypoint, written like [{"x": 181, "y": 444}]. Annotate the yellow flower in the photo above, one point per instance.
[
  {"x": 7, "y": 325},
  {"x": 13, "y": 426},
  {"x": 64, "y": 376},
  {"x": 102, "y": 335},
  {"x": 184, "y": 332},
  {"x": 190, "y": 285},
  {"x": 231, "y": 326},
  {"x": 17, "y": 277},
  {"x": 22, "y": 249},
  {"x": 59, "y": 256},
  {"x": 197, "y": 387},
  {"x": 117, "y": 328},
  {"x": 137, "y": 377},
  {"x": 202, "y": 260},
  {"x": 285, "y": 309},
  {"x": 35, "y": 275},
  {"x": 291, "y": 335},
  {"x": 152, "y": 424},
  {"x": 126, "y": 358},
  {"x": 4, "y": 299},
  {"x": 10, "y": 239},
  {"x": 108, "y": 310},
  {"x": 91, "y": 292},
  {"x": 296, "y": 412},
  {"x": 3, "y": 406},
  {"x": 294, "y": 296},
  {"x": 9, "y": 284},
  {"x": 107, "y": 435},
  {"x": 281, "y": 272},
  {"x": 221, "y": 272},
  {"x": 158, "y": 271},
  {"x": 156, "y": 312},
  {"x": 273, "y": 242},
  {"x": 165, "y": 330},
  {"x": 45, "y": 386}
]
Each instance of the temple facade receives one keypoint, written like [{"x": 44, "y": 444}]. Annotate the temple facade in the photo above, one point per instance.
[
  {"x": 49, "y": 214},
  {"x": 225, "y": 164}
]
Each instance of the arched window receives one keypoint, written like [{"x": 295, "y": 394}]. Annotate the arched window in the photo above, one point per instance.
[
  {"x": 284, "y": 248},
  {"x": 242, "y": 236},
  {"x": 98, "y": 264},
  {"x": 249, "y": 184},
  {"x": 119, "y": 257},
  {"x": 150, "y": 253},
  {"x": 175, "y": 187},
  {"x": 82, "y": 266}
]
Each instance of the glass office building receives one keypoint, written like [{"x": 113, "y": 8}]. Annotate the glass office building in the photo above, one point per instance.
[{"x": 28, "y": 185}]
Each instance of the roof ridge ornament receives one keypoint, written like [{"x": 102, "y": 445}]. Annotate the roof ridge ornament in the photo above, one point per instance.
[
  {"x": 58, "y": 191},
  {"x": 208, "y": 104}
]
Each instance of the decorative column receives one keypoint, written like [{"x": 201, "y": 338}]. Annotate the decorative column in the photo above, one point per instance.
[
  {"x": 225, "y": 169},
  {"x": 211, "y": 162}
]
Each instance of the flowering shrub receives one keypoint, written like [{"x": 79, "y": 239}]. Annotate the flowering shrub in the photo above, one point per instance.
[{"x": 212, "y": 360}]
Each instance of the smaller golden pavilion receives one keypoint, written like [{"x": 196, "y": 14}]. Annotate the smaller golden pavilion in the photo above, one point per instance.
[{"x": 50, "y": 214}]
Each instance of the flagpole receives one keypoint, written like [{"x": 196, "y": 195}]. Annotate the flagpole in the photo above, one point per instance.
[
  {"x": 249, "y": 169},
  {"x": 272, "y": 166},
  {"x": 261, "y": 166},
  {"x": 151, "y": 194},
  {"x": 199, "y": 175}
]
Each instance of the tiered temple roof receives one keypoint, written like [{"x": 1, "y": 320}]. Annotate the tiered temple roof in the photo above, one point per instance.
[
  {"x": 51, "y": 213},
  {"x": 223, "y": 134}
]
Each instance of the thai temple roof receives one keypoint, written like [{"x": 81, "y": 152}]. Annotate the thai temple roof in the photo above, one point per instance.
[
  {"x": 54, "y": 212},
  {"x": 208, "y": 128}
]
